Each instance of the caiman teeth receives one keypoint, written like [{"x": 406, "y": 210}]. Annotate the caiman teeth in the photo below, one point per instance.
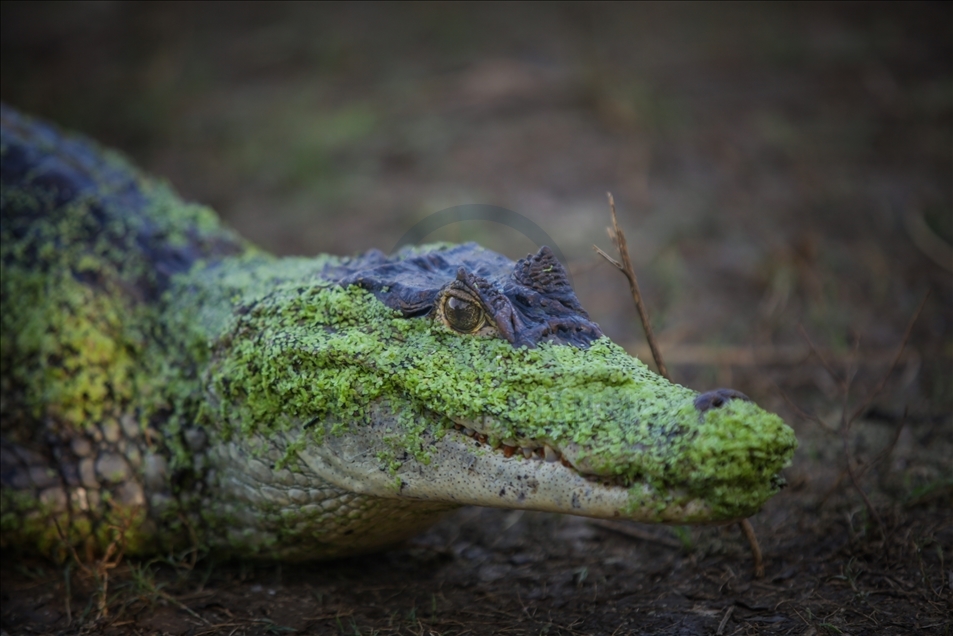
[{"x": 530, "y": 449}]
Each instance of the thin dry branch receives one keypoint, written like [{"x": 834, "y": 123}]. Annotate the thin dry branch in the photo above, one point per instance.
[{"x": 625, "y": 266}]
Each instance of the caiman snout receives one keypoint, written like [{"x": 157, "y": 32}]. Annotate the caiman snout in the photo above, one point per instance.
[{"x": 717, "y": 398}]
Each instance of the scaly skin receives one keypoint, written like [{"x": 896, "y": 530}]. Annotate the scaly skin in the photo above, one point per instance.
[{"x": 165, "y": 381}]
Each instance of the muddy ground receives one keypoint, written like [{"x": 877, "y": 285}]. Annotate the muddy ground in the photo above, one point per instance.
[{"x": 782, "y": 171}]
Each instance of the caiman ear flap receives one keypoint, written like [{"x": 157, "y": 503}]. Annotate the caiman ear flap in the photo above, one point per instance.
[{"x": 542, "y": 272}]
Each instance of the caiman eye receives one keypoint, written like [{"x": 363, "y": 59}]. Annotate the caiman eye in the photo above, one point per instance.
[{"x": 462, "y": 315}]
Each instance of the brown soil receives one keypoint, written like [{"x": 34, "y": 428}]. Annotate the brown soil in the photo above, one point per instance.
[{"x": 776, "y": 167}]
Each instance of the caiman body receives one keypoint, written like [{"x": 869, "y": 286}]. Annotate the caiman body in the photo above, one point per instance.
[{"x": 165, "y": 384}]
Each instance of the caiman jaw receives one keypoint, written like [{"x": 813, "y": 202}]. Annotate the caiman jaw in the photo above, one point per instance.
[
  {"x": 541, "y": 450},
  {"x": 460, "y": 473},
  {"x": 536, "y": 450},
  {"x": 529, "y": 448},
  {"x": 568, "y": 454}
]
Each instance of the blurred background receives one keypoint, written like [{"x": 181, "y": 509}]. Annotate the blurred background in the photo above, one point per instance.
[
  {"x": 781, "y": 170},
  {"x": 774, "y": 165}
]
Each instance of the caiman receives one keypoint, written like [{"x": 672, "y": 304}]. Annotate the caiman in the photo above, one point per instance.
[{"x": 166, "y": 384}]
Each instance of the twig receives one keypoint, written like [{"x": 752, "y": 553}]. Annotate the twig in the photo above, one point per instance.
[
  {"x": 755, "y": 548},
  {"x": 626, "y": 268}
]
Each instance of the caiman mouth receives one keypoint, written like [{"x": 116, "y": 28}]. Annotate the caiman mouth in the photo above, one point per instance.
[
  {"x": 528, "y": 448},
  {"x": 551, "y": 452},
  {"x": 716, "y": 473}
]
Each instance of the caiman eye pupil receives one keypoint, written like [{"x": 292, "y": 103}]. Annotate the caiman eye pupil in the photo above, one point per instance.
[{"x": 463, "y": 316}]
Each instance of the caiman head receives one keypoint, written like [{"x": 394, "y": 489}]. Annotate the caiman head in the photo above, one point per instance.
[{"x": 451, "y": 374}]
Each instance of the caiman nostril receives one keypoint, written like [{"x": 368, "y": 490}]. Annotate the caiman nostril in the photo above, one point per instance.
[{"x": 718, "y": 398}]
